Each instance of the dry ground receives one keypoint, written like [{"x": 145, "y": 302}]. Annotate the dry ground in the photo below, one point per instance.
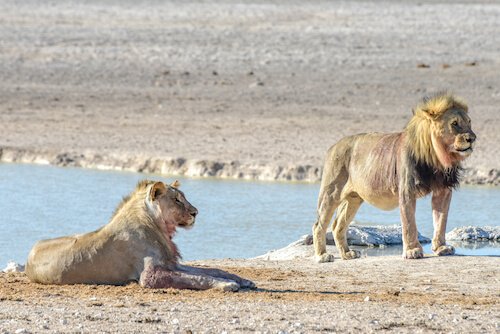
[
  {"x": 453, "y": 294},
  {"x": 265, "y": 85}
]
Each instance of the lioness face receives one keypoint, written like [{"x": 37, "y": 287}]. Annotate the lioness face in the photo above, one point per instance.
[
  {"x": 173, "y": 207},
  {"x": 176, "y": 209},
  {"x": 457, "y": 133}
]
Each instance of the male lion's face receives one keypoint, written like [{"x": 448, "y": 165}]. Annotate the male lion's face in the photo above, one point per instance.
[
  {"x": 174, "y": 207},
  {"x": 456, "y": 133}
]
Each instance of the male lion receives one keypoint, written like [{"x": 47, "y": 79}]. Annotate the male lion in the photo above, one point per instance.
[
  {"x": 136, "y": 245},
  {"x": 387, "y": 170}
]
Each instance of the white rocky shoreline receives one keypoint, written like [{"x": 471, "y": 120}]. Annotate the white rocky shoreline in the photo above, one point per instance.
[
  {"x": 382, "y": 236},
  {"x": 195, "y": 168}
]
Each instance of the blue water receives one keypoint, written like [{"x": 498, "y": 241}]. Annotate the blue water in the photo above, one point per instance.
[{"x": 237, "y": 219}]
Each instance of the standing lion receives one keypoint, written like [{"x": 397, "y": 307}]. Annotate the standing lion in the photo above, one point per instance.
[
  {"x": 387, "y": 170},
  {"x": 136, "y": 245}
]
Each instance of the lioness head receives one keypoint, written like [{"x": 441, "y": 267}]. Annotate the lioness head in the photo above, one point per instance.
[
  {"x": 441, "y": 131},
  {"x": 170, "y": 205}
]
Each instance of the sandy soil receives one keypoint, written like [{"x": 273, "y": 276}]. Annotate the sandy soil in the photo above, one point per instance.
[
  {"x": 258, "y": 89},
  {"x": 377, "y": 294}
]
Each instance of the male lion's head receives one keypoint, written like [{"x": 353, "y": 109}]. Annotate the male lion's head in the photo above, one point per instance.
[
  {"x": 440, "y": 132},
  {"x": 170, "y": 205}
]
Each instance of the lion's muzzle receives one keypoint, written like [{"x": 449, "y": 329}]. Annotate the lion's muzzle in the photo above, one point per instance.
[{"x": 464, "y": 145}]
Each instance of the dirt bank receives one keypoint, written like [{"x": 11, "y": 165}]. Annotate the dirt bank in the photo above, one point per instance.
[{"x": 257, "y": 90}]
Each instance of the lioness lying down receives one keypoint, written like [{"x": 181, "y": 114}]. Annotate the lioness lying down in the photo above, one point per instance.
[
  {"x": 136, "y": 245},
  {"x": 391, "y": 169}
]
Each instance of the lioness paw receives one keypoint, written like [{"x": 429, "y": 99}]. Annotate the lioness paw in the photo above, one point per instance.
[
  {"x": 413, "y": 253},
  {"x": 228, "y": 286},
  {"x": 445, "y": 250},
  {"x": 246, "y": 284},
  {"x": 352, "y": 254},
  {"x": 325, "y": 257}
]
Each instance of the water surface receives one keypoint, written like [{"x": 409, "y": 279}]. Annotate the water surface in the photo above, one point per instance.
[{"x": 237, "y": 219}]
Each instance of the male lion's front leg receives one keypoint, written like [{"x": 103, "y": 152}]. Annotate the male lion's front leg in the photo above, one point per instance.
[
  {"x": 244, "y": 283},
  {"x": 411, "y": 246},
  {"x": 161, "y": 278},
  {"x": 440, "y": 205}
]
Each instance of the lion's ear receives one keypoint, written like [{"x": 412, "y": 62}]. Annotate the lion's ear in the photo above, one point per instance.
[
  {"x": 157, "y": 189},
  {"x": 428, "y": 113},
  {"x": 176, "y": 184}
]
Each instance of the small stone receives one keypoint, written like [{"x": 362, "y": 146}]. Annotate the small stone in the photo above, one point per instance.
[
  {"x": 367, "y": 299},
  {"x": 431, "y": 316},
  {"x": 256, "y": 84},
  {"x": 13, "y": 267},
  {"x": 63, "y": 321},
  {"x": 21, "y": 331},
  {"x": 175, "y": 321}
]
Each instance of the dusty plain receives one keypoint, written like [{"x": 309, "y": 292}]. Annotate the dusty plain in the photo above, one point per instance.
[
  {"x": 373, "y": 294},
  {"x": 256, "y": 90}
]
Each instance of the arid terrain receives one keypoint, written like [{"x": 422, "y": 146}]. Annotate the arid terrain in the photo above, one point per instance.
[
  {"x": 374, "y": 294},
  {"x": 257, "y": 89}
]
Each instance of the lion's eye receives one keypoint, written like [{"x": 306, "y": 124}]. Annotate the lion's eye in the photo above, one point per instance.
[
  {"x": 177, "y": 200},
  {"x": 454, "y": 123}
]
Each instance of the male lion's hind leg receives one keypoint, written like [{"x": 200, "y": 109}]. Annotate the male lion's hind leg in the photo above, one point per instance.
[
  {"x": 217, "y": 273},
  {"x": 326, "y": 207},
  {"x": 345, "y": 213},
  {"x": 161, "y": 277}
]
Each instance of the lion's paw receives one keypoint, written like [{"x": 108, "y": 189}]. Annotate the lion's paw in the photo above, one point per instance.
[
  {"x": 445, "y": 250},
  {"x": 413, "y": 253},
  {"x": 352, "y": 254},
  {"x": 246, "y": 284},
  {"x": 229, "y": 286},
  {"x": 325, "y": 257}
]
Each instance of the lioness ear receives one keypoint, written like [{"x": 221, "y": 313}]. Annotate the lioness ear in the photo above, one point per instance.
[
  {"x": 157, "y": 189},
  {"x": 176, "y": 184}
]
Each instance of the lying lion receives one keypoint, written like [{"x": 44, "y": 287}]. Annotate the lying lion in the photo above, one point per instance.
[
  {"x": 136, "y": 245},
  {"x": 387, "y": 170}
]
